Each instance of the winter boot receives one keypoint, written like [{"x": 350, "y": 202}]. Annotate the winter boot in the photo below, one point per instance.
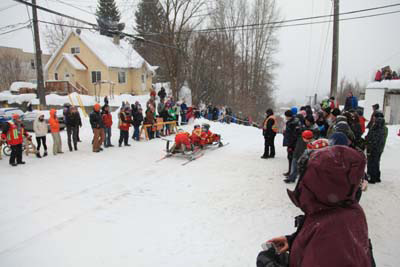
[
  {"x": 70, "y": 148},
  {"x": 45, "y": 154},
  {"x": 38, "y": 155},
  {"x": 75, "y": 147}
]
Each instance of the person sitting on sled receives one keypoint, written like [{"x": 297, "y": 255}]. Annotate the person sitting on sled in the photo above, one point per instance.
[
  {"x": 196, "y": 135},
  {"x": 182, "y": 142},
  {"x": 207, "y": 137}
]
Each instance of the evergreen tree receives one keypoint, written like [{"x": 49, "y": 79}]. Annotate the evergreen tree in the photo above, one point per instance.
[
  {"x": 149, "y": 17},
  {"x": 108, "y": 17}
]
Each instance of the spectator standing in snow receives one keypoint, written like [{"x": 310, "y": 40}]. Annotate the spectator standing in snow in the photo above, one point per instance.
[
  {"x": 14, "y": 133},
  {"x": 362, "y": 119},
  {"x": 149, "y": 120},
  {"x": 153, "y": 93},
  {"x": 322, "y": 124},
  {"x": 40, "y": 128},
  {"x": 97, "y": 124},
  {"x": 137, "y": 117},
  {"x": 73, "y": 122},
  {"x": 107, "y": 120},
  {"x": 106, "y": 101},
  {"x": 375, "y": 140},
  {"x": 290, "y": 137},
  {"x": 184, "y": 109},
  {"x": 351, "y": 102},
  {"x": 55, "y": 132},
  {"x": 270, "y": 128},
  {"x": 162, "y": 94},
  {"x": 338, "y": 220},
  {"x": 375, "y": 108},
  {"x": 125, "y": 122}
]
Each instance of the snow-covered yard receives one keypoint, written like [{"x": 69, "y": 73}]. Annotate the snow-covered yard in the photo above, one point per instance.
[{"x": 121, "y": 208}]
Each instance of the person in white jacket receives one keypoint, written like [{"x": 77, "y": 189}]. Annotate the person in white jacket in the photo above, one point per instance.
[{"x": 40, "y": 128}]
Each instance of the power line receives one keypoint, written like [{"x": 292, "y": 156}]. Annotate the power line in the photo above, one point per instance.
[
  {"x": 7, "y": 7},
  {"x": 17, "y": 29},
  {"x": 293, "y": 20},
  {"x": 64, "y": 25}
]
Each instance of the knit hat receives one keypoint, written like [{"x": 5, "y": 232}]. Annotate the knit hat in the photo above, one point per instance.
[
  {"x": 318, "y": 144},
  {"x": 310, "y": 118},
  {"x": 294, "y": 110},
  {"x": 335, "y": 112},
  {"x": 339, "y": 139},
  {"x": 307, "y": 134},
  {"x": 96, "y": 107}
]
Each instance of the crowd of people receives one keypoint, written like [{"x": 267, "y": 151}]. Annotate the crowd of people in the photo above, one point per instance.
[
  {"x": 386, "y": 73},
  {"x": 332, "y": 158}
]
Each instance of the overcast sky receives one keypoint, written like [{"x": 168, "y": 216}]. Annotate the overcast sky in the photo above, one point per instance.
[{"x": 304, "y": 60}]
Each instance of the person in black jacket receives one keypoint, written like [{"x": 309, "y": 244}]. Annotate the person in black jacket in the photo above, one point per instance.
[
  {"x": 73, "y": 122},
  {"x": 162, "y": 94},
  {"x": 96, "y": 121},
  {"x": 290, "y": 137},
  {"x": 269, "y": 132},
  {"x": 137, "y": 115},
  {"x": 375, "y": 144}
]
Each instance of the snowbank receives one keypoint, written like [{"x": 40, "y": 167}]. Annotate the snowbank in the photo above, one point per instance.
[
  {"x": 385, "y": 84},
  {"x": 16, "y": 86},
  {"x": 19, "y": 99}
]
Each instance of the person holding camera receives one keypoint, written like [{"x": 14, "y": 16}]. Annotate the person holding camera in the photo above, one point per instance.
[{"x": 333, "y": 230}]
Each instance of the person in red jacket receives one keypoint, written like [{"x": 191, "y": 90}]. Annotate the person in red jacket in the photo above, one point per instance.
[
  {"x": 182, "y": 142},
  {"x": 107, "y": 120},
  {"x": 13, "y": 133},
  {"x": 378, "y": 76},
  {"x": 207, "y": 137},
  {"x": 125, "y": 121},
  {"x": 196, "y": 135}
]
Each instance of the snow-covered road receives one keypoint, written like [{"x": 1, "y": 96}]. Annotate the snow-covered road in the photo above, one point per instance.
[{"x": 121, "y": 208}]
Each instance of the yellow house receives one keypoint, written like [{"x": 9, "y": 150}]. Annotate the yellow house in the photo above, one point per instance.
[{"x": 100, "y": 65}]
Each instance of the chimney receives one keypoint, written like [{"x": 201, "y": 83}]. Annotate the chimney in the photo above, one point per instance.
[{"x": 116, "y": 39}]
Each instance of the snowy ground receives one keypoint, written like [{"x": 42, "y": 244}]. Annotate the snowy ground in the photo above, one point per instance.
[{"x": 120, "y": 208}]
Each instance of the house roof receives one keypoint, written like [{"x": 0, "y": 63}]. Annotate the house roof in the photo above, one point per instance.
[
  {"x": 109, "y": 53},
  {"x": 385, "y": 84},
  {"x": 73, "y": 61}
]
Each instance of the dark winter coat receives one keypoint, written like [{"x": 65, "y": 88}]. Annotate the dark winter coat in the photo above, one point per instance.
[
  {"x": 376, "y": 137},
  {"x": 323, "y": 127},
  {"x": 96, "y": 120},
  {"x": 290, "y": 135},
  {"x": 301, "y": 146},
  {"x": 137, "y": 118},
  {"x": 351, "y": 103},
  {"x": 334, "y": 230},
  {"x": 162, "y": 94},
  {"x": 149, "y": 119},
  {"x": 268, "y": 132},
  {"x": 73, "y": 119}
]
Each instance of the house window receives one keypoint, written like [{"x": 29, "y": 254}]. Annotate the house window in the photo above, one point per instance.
[
  {"x": 96, "y": 76},
  {"x": 143, "y": 78},
  {"x": 75, "y": 50},
  {"x": 32, "y": 64},
  {"x": 56, "y": 76},
  {"x": 122, "y": 77}
]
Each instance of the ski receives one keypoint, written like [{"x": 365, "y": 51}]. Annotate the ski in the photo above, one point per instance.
[
  {"x": 193, "y": 158},
  {"x": 164, "y": 157}
]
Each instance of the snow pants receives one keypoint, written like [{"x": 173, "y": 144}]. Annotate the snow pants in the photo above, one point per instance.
[
  {"x": 123, "y": 137},
  {"x": 182, "y": 141},
  {"x": 16, "y": 153},
  {"x": 56, "y": 143},
  {"x": 269, "y": 146},
  {"x": 98, "y": 138},
  {"x": 373, "y": 166},
  {"x": 107, "y": 136},
  {"x": 72, "y": 133}
]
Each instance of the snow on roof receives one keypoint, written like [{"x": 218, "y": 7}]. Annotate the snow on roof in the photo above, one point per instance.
[
  {"x": 111, "y": 54},
  {"x": 75, "y": 63},
  {"x": 385, "y": 84},
  {"x": 15, "y": 86},
  {"x": 19, "y": 99}
]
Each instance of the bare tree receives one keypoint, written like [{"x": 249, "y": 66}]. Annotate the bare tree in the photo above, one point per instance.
[
  {"x": 346, "y": 86},
  {"x": 57, "y": 32},
  {"x": 11, "y": 70}
]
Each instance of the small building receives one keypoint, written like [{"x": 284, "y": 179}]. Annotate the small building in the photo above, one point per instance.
[
  {"x": 387, "y": 94},
  {"x": 94, "y": 64}
]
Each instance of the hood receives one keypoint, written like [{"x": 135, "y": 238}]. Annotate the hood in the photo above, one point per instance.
[
  {"x": 53, "y": 113},
  {"x": 331, "y": 179},
  {"x": 38, "y": 115},
  {"x": 379, "y": 123}
]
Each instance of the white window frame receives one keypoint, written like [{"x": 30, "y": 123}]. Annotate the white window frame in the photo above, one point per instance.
[
  {"x": 124, "y": 76},
  {"x": 75, "y": 50},
  {"x": 96, "y": 76}
]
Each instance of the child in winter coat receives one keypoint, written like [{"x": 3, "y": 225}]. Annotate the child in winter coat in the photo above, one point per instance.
[
  {"x": 55, "y": 132},
  {"x": 107, "y": 120},
  {"x": 40, "y": 128},
  {"x": 125, "y": 122},
  {"x": 137, "y": 121}
]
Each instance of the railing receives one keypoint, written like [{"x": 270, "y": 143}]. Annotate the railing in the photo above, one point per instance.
[
  {"x": 156, "y": 127},
  {"x": 65, "y": 88}
]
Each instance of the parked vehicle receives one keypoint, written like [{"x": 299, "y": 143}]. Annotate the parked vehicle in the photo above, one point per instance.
[
  {"x": 6, "y": 113},
  {"x": 30, "y": 117}
]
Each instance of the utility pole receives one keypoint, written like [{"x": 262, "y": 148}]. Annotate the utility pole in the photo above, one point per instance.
[
  {"x": 40, "y": 91},
  {"x": 335, "y": 49}
]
